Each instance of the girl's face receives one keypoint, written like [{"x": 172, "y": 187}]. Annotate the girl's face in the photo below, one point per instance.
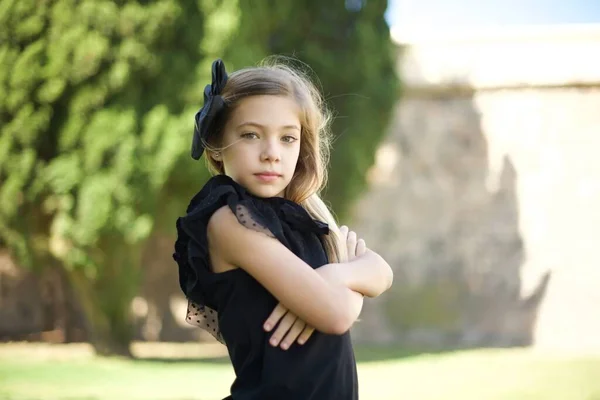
[{"x": 262, "y": 144}]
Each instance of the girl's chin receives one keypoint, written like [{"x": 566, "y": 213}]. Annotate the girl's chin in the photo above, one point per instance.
[{"x": 265, "y": 191}]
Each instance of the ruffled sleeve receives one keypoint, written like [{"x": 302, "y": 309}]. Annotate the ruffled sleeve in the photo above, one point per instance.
[{"x": 195, "y": 279}]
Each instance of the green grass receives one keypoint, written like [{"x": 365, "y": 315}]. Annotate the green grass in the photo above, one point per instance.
[{"x": 33, "y": 373}]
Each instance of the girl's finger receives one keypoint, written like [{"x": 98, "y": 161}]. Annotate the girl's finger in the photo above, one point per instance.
[
  {"x": 351, "y": 244},
  {"x": 344, "y": 232},
  {"x": 293, "y": 334},
  {"x": 278, "y": 312},
  {"x": 284, "y": 326},
  {"x": 343, "y": 240},
  {"x": 361, "y": 247},
  {"x": 306, "y": 334}
]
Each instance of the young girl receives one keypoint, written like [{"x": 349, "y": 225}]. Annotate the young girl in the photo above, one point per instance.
[{"x": 261, "y": 260}]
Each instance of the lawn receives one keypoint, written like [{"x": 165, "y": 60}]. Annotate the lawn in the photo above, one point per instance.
[{"x": 193, "y": 372}]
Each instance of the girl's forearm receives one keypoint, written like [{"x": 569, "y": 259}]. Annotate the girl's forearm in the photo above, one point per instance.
[
  {"x": 354, "y": 303},
  {"x": 368, "y": 274},
  {"x": 349, "y": 302}
]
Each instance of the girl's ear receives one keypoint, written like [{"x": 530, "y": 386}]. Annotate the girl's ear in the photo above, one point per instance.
[{"x": 215, "y": 155}]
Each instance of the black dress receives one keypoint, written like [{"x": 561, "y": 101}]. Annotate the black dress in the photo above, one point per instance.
[{"x": 233, "y": 306}]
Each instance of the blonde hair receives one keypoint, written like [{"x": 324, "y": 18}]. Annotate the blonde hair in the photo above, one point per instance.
[{"x": 273, "y": 77}]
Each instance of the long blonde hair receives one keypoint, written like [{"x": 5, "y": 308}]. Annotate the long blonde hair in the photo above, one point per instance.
[{"x": 273, "y": 77}]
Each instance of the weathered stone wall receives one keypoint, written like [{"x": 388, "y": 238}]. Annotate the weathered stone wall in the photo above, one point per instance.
[{"x": 485, "y": 197}]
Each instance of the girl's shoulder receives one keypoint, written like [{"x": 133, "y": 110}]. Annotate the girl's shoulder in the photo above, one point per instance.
[
  {"x": 263, "y": 214},
  {"x": 221, "y": 191},
  {"x": 215, "y": 189}
]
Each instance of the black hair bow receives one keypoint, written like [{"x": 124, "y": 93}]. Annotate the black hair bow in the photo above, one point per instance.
[{"x": 213, "y": 103}]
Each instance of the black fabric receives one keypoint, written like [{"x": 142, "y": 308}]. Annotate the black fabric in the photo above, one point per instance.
[{"x": 322, "y": 368}]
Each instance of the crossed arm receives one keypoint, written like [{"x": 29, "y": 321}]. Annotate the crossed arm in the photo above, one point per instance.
[{"x": 328, "y": 298}]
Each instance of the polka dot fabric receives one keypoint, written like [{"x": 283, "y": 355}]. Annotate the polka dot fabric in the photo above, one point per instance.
[
  {"x": 204, "y": 317},
  {"x": 245, "y": 217}
]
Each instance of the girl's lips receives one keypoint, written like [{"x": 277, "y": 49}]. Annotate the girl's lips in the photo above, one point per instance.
[{"x": 267, "y": 176}]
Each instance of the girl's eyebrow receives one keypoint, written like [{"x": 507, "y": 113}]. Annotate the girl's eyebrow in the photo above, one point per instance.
[{"x": 257, "y": 125}]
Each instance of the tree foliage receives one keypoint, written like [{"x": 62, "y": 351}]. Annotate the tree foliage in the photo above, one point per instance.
[
  {"x": 96, "y": 99},
  {"x": 96, "y": 103}
]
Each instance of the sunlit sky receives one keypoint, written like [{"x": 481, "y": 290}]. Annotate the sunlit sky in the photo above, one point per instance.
[{"x": 423, "y": 15}]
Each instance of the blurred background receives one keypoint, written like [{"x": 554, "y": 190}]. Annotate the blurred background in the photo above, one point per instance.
[{"x": 465, "y": 153}]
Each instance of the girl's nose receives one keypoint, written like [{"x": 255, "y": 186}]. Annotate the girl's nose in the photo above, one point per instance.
[{"x": 271, "y": 151}]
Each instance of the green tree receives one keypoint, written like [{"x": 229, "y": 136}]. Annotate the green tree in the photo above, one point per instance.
[{"x": 96, "y": 99}]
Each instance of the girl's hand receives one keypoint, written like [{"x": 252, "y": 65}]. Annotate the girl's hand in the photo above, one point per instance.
[
  {"x": 356, "y": 247},
  {"x": 365, "y": 272},
  {"x": 290, "y": 328}
]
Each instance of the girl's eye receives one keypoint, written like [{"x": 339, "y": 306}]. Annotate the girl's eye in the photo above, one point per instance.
[
  {"x": 249, "y": 135},
  {"x": 289, "y": 139}
]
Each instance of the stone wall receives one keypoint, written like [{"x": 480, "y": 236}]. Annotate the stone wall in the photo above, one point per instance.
[{"x": 485, "y": 197}]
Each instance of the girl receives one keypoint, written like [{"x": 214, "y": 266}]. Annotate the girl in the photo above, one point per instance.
[{"x": 257, "y": 234}]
